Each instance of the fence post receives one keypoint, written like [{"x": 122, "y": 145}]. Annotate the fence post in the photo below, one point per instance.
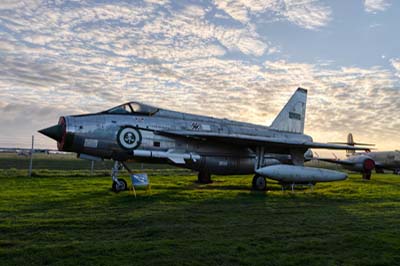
[
  {"x": 91, "y": 168},
  {"x": 31, "y": 155}
]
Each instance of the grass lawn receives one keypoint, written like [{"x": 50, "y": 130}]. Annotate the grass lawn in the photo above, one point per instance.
[{"x": 71, "y": 218}]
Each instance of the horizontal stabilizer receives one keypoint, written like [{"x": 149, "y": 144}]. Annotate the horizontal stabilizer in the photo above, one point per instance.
[{"x": 354, "y": 143}]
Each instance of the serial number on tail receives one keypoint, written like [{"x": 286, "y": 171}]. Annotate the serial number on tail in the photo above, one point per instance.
[{"x": 294, "y": 116}]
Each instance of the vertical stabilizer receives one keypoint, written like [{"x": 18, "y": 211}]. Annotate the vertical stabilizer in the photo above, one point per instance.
[
  {"x": 350, "y": 139},
  {"x": 292, "y": 116},
  {"x": 350, "y": 142}
]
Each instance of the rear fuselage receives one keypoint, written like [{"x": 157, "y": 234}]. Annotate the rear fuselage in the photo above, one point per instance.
[{"x": 384, "y": 159}]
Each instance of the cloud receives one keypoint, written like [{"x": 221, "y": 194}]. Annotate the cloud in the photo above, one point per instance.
[
  {"x": 12, "y": 5},
  {"x": 192, "y": 30},
  {"x": 78, "y": 57},
  {"x": 372, "y": 6},
  {"x": 396, "y": 65},
  {"x": 340, "y": 100},
  {"x": 309, "y": 14}
]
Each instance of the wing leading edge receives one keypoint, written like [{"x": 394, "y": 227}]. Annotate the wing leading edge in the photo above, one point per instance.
[{"x": 254, "y": 141}]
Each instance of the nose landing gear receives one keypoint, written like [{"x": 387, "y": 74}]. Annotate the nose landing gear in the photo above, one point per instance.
[{"x": 118, "y": 184}]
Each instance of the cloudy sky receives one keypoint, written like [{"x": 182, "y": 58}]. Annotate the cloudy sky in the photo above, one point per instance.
[{"x": 238, "y": 59}]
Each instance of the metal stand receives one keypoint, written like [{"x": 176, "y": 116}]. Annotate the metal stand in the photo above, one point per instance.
[{"x": 131, "y": 173}]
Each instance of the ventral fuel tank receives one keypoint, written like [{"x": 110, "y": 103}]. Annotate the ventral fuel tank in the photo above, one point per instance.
[{"x": 300, "y": 174}]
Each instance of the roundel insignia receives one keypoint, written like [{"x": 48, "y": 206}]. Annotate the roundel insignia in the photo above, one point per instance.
[{"x": 129, "y": 138}]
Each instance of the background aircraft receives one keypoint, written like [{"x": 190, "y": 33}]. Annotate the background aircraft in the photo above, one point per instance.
[
  {"x": 24, "y": 151},
  {"x": 365, "y": 162},
  {"x": 135, "y": 131}
]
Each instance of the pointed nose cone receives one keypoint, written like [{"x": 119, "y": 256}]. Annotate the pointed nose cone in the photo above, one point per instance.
[{"x": 54, "y": 132}]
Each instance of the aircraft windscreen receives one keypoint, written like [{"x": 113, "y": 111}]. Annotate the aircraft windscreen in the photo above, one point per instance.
[
  {"x": 121, "y": 109},
  {"x": 133, "y": 108},
  {"x": 143, "y": 109}
]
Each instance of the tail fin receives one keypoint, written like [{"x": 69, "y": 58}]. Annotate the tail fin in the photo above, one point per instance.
[
  {"x": 292, "y": 116},
  {"x": 350, "y": 142}
]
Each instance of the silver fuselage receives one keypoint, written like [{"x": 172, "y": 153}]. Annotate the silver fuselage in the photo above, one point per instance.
[{"x": 96, "y": 135}]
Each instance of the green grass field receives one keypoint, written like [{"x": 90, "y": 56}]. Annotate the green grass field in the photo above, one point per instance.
[{"x": 67, "y": 217}]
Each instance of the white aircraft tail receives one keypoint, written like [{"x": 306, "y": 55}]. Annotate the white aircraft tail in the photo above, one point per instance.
[
  {"x": 351, "y": 142},
  {"x": 292, "y": 116}
]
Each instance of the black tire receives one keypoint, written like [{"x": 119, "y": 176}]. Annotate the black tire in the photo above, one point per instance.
[
  {"x": 123, "y": 186},
  {"x": 366, "y": 176},
  {"x": 204, "y": 178},
  {"x": 259, "y": 183}
]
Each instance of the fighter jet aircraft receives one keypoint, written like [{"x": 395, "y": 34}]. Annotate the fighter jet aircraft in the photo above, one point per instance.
[
  {"x": 365, "y": 162},
  {"x": 139, "y": 132}
]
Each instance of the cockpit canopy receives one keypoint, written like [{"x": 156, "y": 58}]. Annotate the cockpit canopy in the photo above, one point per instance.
[{"x": 133, "y": 108}]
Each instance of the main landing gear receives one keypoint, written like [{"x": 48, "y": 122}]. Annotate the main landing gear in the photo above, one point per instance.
[
  {"x": 118, "y": 184},
  {"x": 366, "y": 175},
  {"x": 259, "y": 183}
]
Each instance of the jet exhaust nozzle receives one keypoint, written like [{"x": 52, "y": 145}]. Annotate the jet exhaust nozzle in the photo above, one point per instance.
[{"x": 54, "y": 132}]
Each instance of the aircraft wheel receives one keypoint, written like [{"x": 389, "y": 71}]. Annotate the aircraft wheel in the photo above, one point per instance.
[
  {"x": 204, "y": 178},
  {"x": 119, "y": 187},
  {"x": 366, "y": 176},
  {"x": 396, "y": 172},
  {"x": 259, "y": 183}
]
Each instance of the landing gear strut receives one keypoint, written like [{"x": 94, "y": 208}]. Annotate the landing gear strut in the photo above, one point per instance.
[
  {"x": 118, "y": 184},
  {"x": 204, "y": 178},
  {"x": 259, "y": 183}
]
